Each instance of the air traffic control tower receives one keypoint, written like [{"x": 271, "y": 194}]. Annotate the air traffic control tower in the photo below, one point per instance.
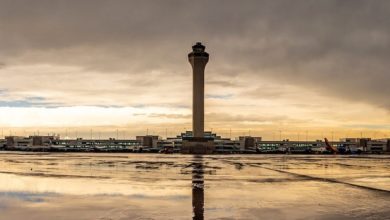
[
  {"x": 198, "y": 59},
  {"x": 198, "y": 144}
]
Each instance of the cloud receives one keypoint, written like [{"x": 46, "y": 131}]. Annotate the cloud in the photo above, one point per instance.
[
  {"x": 28, "y": 102},
  {"x": 228, "y": 118},
  {"x": 134, "y": 53},
  {"x": 170, "y": 116},
  {"x": 340, "y": 48},
  {"x": 216, "y": 96}
]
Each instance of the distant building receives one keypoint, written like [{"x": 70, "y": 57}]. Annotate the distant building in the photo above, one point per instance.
[
  {"x": 221, "y": 145},
  {"x": 148, "y": 140},
  {"x": 31, "y": 141},
  {"x": 18, "y": 141},
  {"x": 2, "y": 143},
  {"x": 163, "y": 144},
  {"x": 248, "y": 142},
  {"x": 377, "y": 146},
  {"x": 211, "y": 142},
  {"x": 207, "y": 134},
  {"x": 226, "y": 145},
  {"x": 363, "y": 143},
  {"x": 107, "y": 144},
  {"x": 354, "y": 144},
  {"x": 388, "y": 145},
  {"x": 44, "y": 141},
  {"x": 291, "y": 146}
]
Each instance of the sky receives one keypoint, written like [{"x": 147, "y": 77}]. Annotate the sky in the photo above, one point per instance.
[{"x": 302, "y": 69}]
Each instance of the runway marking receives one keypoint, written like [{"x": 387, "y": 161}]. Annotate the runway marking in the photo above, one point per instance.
[{"x": 322, "y": 179}]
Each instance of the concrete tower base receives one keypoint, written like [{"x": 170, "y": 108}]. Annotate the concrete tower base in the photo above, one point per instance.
[{"x": 197, "y": 146}]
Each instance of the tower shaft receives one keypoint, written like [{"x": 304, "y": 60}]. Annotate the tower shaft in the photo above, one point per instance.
[{"x": 198, "y": 59}]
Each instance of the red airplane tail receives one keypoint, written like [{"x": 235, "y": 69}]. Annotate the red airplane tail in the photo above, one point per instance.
[{"x": 329, "y": 147}]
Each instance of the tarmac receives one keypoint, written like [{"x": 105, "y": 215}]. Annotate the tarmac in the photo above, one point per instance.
[{"x": 161, "y": 186}]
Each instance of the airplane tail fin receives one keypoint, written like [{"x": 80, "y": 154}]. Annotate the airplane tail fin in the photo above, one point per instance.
[{"x": 330, "y": 147}]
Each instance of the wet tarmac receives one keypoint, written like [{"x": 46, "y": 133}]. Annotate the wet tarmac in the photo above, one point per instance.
[{"x": 154, "y": 186}]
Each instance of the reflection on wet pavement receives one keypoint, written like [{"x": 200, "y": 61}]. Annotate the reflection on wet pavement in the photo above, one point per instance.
[
  {"x": 198, "y": 188},
  {"x": 153, "y": 186}
]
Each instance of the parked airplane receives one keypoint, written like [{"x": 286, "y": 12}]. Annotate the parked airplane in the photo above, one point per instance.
[{"x": 330, "y": 148}]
